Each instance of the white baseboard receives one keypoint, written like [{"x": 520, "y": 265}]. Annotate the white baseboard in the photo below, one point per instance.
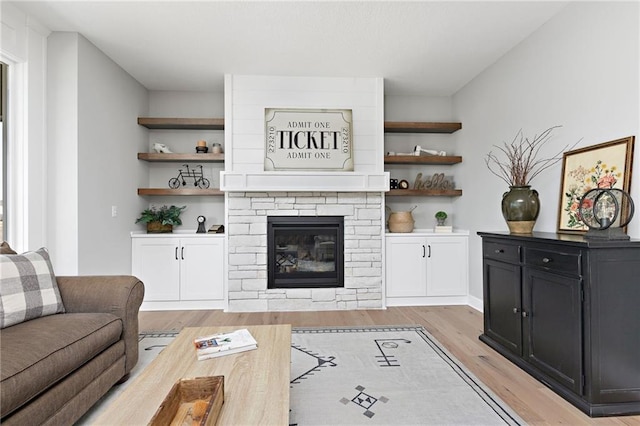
[
  {"x": 183, "y": 305},
  {"x": 427, "y": 301},
  {"x": 476, "y": 303}
]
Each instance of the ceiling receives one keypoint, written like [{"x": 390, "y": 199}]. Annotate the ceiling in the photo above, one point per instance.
[{"x": 428, "y": 48}]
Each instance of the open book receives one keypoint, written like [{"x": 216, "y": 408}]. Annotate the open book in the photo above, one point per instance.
[{"x": 224, "y": 344}]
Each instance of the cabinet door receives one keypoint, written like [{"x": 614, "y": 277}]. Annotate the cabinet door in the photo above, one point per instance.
[
  {"x": 201, "y": 274},
  {"x": 406, "y": 274},
  {"x": 502, "y": 304},
  {"x": 615, "y": 325},
  {"x": 156, "y": 262},
  {"x": 447, "y": 266},
  {"x": 553, "y": 326}
]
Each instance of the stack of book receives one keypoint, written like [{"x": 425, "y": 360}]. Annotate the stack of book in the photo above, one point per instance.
[
  {"x": 224, "y": 344},
  {"x": 443, "y": 229}
]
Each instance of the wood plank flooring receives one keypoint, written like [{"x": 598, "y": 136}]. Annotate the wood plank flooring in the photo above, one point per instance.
[{"x": 456, "y": 327}]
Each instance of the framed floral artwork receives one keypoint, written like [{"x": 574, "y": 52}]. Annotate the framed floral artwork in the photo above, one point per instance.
[{"x": 606, "y": 165}]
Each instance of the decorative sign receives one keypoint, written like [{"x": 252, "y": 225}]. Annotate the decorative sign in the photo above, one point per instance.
[{"x": 308, "y": 139}]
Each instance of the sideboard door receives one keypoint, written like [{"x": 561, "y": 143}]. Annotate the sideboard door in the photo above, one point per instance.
[
  {"x": 553, "y": 324},
  {"x": 502, "y": 313}
]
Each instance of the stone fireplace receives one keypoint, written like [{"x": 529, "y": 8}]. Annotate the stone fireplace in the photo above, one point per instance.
[
  {"x": 248, "y": 288},
  {"x": 253, "y": 195}
]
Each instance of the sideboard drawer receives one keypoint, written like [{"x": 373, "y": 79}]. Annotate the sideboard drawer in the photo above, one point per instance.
[
  {"x": 499, "y": 251},
  {"x": 568, "y": 263}
]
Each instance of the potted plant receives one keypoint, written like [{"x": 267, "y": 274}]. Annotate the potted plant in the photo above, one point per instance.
[
  {"x": 441, "y": 217},
  {"x": 161, "y": 219}
]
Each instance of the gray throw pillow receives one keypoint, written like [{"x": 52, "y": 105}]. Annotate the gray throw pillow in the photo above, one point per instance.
[{"x": 28, "y": 287}]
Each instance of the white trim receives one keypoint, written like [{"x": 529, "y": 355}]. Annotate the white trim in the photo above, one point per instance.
[
  {"x": 16, "y": 208},
  {"x": 427, "y": 232},
  {"x": 228, "y": 119},
  {"x": 428, "y": 301},
  {"x": 476, "y": 303},
  {"x": 184, "y": 305},
  {"x": 379, "y": 142},
  {"x": 304, "y": 181}
]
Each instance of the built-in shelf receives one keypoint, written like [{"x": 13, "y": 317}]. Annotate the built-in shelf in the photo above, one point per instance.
[
  {"x": 161, "y": 123},
  {"x": 179, "y": 191},
  {"x": 420, "y": 127},
  {"x": 422, "y": 159},
  {"x": 179, "y": 157},
  {"x": 218, "y": 124},
  {"x": 425, "y": 192}
]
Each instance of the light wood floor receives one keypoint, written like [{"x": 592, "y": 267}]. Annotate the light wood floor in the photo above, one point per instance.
[{"x": 456, "y": 327}]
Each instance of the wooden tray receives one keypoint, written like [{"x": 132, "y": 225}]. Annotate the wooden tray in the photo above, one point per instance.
[{"x": 195, "y": 401}]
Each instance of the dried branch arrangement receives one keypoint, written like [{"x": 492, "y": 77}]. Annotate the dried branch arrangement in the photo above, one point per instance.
[{"x": 521, "y": 164}]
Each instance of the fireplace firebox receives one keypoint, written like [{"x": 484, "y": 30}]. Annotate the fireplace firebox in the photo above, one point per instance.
[{"x": 305, "y": 251}]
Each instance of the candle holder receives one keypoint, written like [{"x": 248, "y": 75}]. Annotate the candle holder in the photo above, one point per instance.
[{"x": 606, "y": 211}]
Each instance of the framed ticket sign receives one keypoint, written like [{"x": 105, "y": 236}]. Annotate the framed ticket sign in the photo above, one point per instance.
[{"x": 308, "y": 139}]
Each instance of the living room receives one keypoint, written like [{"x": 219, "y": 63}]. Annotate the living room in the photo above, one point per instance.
[{"x": 577, "y": 67}]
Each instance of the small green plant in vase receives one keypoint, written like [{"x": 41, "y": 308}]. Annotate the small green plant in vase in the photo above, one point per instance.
[
  {"x": 161, "y": 219},
  {"x": 441, "y": 217}
]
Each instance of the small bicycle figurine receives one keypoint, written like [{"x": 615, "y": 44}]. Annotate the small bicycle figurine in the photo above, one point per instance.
[{"x": 197, "y": 176}]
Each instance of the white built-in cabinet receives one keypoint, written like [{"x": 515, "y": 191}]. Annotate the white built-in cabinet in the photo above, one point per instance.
[
  {"x": 180, "y": 271},
  {"x": 426, "y": 268}
]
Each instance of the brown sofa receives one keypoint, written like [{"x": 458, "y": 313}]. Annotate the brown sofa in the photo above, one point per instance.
[{"x": 54, "y": 368}]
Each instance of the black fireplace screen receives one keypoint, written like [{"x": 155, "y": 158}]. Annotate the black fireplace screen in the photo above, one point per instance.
[{"x": 305, "y": 251}]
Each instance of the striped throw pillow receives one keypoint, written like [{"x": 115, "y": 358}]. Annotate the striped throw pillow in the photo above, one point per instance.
[{"x": 28, "y": 287}]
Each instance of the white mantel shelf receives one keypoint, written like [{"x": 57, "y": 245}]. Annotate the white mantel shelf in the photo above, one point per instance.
[{"x": 304, "y": 181}]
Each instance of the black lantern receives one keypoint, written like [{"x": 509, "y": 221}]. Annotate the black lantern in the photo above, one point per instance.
[{"x": 606, "y": 211}]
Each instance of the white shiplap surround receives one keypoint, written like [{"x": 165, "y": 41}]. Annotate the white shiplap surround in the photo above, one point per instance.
[{"x": 253, "y": 194}]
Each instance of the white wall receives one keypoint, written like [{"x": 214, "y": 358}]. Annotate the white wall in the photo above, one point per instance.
[
  {"x": 165, "y": 103},
  {"x": 580, "y": 70},
  {"x": 93, "y": 140},
  {"x": 109, "y": 173},
  {"x": 23, "y": 48},
  {"x": 248, "y": 96},
  {"x": 62, "y": 125}
]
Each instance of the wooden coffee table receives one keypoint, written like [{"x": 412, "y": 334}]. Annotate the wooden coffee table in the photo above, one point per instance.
[{"x": 256, "y": 383}]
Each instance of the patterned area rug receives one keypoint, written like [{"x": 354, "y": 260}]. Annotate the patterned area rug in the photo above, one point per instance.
[{"x": 386, "y": 375}]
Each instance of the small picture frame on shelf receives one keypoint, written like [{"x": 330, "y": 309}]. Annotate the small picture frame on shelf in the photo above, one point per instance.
[{"x": 216, "y": 229}]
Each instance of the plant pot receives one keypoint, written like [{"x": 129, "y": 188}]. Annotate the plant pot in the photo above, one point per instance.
[
  {"x": 520, "y": 208},
  {"x": 158, "y": 228}
]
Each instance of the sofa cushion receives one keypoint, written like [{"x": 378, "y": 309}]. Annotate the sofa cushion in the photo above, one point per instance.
[
  {"x": 28, "y": 287},
  {"x": 37, "y": 354}
]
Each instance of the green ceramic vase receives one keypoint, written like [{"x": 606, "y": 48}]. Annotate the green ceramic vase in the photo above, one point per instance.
[{"x": 520, "y": 208}]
